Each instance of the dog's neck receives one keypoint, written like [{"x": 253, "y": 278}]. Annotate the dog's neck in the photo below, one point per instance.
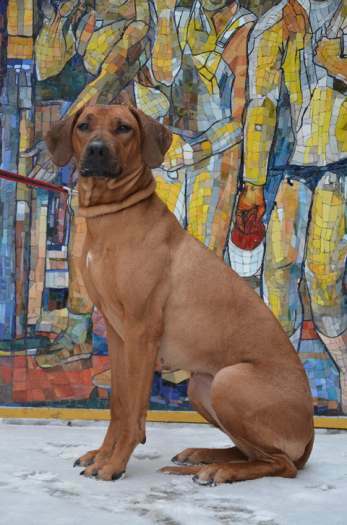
[{"x": 102, "y": 196}]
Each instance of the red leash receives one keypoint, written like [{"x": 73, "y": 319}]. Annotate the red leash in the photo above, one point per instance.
[{"x": 14, "y": 177}]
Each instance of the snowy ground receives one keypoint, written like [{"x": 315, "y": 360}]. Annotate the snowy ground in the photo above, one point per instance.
[{"x": 38, "y": 484}]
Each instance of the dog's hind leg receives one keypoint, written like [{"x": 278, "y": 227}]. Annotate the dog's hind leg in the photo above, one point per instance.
[
  {"x": 236, "y": 471},
  {"x": 268, "y": 417},
  {"x": 199, "y": 395}
]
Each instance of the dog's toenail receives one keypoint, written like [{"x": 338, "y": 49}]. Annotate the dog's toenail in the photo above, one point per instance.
[
  {"x": 82, "y": 472},
  {"x": 204, "y": 482},
  {"x": 118, "y": 475},
  {"x": 77, "y": 463}
]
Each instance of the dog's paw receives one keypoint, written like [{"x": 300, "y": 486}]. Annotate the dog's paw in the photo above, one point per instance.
[
  {"x": 212, "y": 475},
  {"x": 100, "y": 460},
  {"x": 206, "y": 476},
  {"x": 189, "y": 456},
  {"x": 103, "y": 470}
]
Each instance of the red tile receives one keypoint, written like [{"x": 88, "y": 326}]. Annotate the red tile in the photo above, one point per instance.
[
  {"x": 20, "y": 396},
  {"x": 6, "y": 374},
  {"x": 61, "y": 378},
  {"x": 36, "y": 375},
  {"x": 37, "y": 395},
  {"x": 63, "y": 392},
  {"x": 83, "y": 392},
  {"x": 308, "y": 331},
  {"x": 100, "y": 361},
  {"x": 21, "y": 385},
  {"x": 20, "y": 361},
  {"x": 48, "y": 393},
  {"x": 19, "y": 374},
  {"x": 85, "y": 377}
]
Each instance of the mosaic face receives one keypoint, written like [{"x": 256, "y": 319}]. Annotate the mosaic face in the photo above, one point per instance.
[{"x": 256, "y": 172}]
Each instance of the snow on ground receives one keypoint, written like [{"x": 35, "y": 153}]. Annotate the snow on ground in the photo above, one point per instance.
[{"x": 38, "y": 484}]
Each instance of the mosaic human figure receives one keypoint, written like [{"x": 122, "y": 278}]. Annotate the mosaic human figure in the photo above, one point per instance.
[
  {"x": 195, "y": 84},
  {"x": 112, "y": 39},
  {"x": 199, "y": 176},
  {"x": 203, "y": 105},
  {"x": 298, "y": 109}
]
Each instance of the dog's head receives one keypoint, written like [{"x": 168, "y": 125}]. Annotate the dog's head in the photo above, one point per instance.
[{"x": 108, "y": 141}]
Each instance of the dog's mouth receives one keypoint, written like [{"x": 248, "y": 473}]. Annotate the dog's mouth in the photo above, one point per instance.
[{"x": 101, "y": 172}]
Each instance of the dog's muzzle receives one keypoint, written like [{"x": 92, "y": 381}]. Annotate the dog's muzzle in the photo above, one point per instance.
[{"x": 98, "y": 161}]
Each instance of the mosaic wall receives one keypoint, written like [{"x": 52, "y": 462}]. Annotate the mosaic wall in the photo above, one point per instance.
[{"x": 255, "y": 95}]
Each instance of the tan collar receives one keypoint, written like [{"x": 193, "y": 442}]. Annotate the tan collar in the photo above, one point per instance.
[{"x": 113, "y": 207}]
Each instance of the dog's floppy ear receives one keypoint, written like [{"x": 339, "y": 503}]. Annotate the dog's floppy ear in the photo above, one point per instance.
[
  {"x": 59, "y": 139},
  {"x": 156, "y": 138}
]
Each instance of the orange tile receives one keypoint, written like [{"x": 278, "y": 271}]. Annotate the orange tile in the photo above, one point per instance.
[
  {"x": 62, "y": 392},
  {"x": 102, "y": 393}
]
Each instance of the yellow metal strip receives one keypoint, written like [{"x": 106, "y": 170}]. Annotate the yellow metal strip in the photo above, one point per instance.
[
  {"x": 175, "y": 417},
  {"x": 53, "y": 413},
  {"x": 95, "y": 414},
  {"x": 164, "y": 416},
  {"x": 330, "y": 422}
]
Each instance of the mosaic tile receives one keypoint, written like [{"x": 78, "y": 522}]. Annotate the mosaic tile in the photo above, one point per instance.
[{"x": 255, "y": 96}]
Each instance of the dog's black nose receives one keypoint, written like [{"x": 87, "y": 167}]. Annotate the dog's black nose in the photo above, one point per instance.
[
  {"x": 97, "y": 151},
  {"x": 98, "y": 160}
]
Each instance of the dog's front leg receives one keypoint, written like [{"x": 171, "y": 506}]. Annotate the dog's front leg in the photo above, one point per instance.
[
  {"x": 136, "y": 363},
  {"x": 96, "y": 459}
]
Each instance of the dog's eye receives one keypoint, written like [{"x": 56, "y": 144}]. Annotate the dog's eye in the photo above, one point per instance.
[
  {"x": 84, "y": 126},
  {"x": 123, "y": 128}
]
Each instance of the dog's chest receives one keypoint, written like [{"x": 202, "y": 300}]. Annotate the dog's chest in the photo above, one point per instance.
[
  {"x": 91, "y": 267},
  {"x": 98, "y": 269},
  {"x": 99, "y": 277},
  {"x": 89, "y": 259}
]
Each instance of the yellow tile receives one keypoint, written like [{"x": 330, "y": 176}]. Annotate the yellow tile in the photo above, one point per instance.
[{"x": 20, "y": 47}]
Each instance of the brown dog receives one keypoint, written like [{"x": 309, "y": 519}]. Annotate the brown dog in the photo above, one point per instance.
[{"x": 164, "y": 295}]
